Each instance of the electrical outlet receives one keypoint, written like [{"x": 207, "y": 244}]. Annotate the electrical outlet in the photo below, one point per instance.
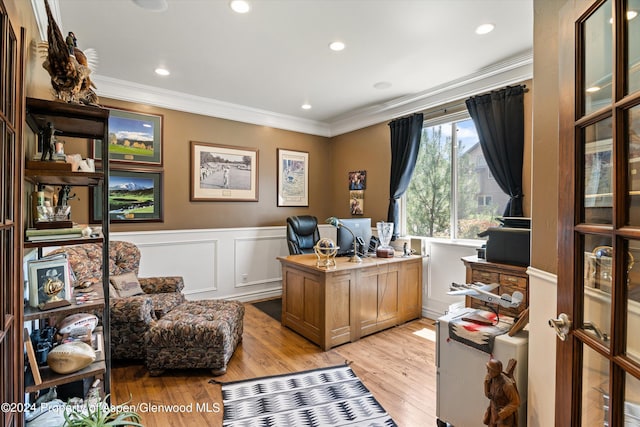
[{"x": 244, "y": 277}]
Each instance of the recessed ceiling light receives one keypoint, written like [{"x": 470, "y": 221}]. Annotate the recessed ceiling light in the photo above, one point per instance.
[
  {"x": 153, "y": 5},
  {"x": 485, "y": 28},
  {"x": 162, "y": 71},
  {"x": 593, "y": 89},
  {"x": 306, "y": 106},
  {"x": 336, "y": 46},
  {"x": 240, "y": 6},
  {"x": 382, "y": 85}
]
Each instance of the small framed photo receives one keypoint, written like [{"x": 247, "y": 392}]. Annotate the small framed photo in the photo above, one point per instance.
[
  {"x": 134, "y": 196},
  {"x": 223, "y": 173},
  {"x": 49, "y": 283},
  {"x": 358, "y": 180},
  {"x": 293, "y": 178},
  {"x": 133, "y": 138},
  {"x": 356, "y": 202}
]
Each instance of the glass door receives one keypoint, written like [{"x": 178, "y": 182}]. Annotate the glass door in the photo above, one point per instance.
[{"x": 598, "y": 363}]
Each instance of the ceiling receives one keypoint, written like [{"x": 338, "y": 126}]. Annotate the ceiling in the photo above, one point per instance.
[{"x": 260, "y": 67}]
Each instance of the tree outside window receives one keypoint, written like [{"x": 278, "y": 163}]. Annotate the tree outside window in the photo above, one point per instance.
[{"x": 450, "y": 178}]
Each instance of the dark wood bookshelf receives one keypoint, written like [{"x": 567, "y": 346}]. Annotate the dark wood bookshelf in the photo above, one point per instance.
[{"x": 50, "y": 378}]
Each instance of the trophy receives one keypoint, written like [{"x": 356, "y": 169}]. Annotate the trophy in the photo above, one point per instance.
[
  {"x": 385, "y": 233},
  {"x": 51, "y": 288}
]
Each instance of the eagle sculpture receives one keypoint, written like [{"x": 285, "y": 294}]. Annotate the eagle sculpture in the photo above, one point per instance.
[{"x": 69, "y": 72}]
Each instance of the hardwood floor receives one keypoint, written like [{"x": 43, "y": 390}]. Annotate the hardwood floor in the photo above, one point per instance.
[{"x": 397, "y": 365}]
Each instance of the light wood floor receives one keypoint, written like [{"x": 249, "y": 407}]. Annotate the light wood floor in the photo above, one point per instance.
[{"x": 396, "y": 365}]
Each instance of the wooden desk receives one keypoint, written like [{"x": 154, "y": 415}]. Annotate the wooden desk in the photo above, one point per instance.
[
  {"x": 510, "y": 278},
  {"x": 339, "y": 305}
]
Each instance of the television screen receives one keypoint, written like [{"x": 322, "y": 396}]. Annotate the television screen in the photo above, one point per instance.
[{"x": 361, "y": 228}]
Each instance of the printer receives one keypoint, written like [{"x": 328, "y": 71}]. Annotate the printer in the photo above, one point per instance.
[{"x": 510, "y": 242}]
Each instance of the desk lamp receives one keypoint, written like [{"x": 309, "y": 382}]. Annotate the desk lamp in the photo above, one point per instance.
[{"x": 338, "y": 224}]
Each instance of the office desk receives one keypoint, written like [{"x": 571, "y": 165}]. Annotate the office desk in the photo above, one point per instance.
[{"x": 339, "y": 305}]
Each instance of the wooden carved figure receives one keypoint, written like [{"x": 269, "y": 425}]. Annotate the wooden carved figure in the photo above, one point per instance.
[{"x": 500, "y": 388}]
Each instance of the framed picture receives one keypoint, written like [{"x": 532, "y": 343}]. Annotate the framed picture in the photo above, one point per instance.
[
  {"x": 49, "y": 282},
  {"x": 133, "y": 138},
  {"x": 293, "y": 178},
  {"x": 134, "y": 196},
  {"x": 356, "y": 202},
  {"x": 223, "y": 173},
  {"x": 358, "y": 180}
]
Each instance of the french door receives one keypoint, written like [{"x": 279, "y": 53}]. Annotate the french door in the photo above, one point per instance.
[
  {"x": 11, "y": 362},
  {"x": 598, "y": 359}
]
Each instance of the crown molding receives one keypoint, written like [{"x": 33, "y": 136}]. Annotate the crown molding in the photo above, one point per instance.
[
  {"x": 41, "y": 15},
  {"x": 511, "y": 71},
  {"x": 514, "y": 70},
  {"x": 143, "y": 94}
]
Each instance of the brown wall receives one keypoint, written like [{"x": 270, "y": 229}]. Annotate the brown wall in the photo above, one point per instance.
[
  {"x": 330, "y": 161},
  {"x": 180, "y": 213},
  {"x": 365, "y": 149},
  {"x": 544, "y": 253}
]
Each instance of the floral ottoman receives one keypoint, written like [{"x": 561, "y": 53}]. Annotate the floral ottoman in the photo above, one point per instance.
[{"x": 196, "y": 334}]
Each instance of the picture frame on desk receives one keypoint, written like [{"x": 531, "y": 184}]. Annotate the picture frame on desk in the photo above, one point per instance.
[{"x": 44, "y": 275}]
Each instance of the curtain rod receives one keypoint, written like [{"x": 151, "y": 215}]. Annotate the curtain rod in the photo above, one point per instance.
[{"x": 461, "y": 104}]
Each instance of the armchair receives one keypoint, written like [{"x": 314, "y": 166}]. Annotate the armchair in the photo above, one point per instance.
[
  {"x": 302, "y": 234},
  {"x": 131, "y": 317}
]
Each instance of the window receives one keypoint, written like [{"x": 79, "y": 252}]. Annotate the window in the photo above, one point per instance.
[
  {"x": 451, "y": 194},
  {"x": 484, "y": 200}
]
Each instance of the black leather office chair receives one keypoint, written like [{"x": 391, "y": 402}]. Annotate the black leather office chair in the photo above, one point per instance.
[{"x": 302, "y": 234}]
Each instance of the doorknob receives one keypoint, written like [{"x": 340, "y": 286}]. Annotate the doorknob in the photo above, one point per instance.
[{"x": 561, "y": 325}]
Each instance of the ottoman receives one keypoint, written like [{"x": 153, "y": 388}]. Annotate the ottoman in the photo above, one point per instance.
[{"x": 195, "y": 334}]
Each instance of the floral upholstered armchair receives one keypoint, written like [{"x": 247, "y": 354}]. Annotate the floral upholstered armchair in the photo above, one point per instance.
[{"x": 131, "y": 316}]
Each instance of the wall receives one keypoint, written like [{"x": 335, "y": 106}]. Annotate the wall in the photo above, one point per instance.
[
  {"x": 180, "y": 213},
  {"x": 544, "y": 241},
  {"x": 365, "y": 149}
]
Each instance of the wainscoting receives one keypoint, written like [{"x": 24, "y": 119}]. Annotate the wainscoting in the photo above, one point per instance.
[{"x": 240, "y": 263}]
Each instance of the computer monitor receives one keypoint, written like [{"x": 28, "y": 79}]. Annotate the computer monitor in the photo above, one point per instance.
[{"x": 361, "y": 228}]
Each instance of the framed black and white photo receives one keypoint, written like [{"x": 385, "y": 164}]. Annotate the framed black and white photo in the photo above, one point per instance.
[
  {"x": 133, "y": 138},
  {"x": 223, "y": 173},
  {"x": 293, "y": 178}
]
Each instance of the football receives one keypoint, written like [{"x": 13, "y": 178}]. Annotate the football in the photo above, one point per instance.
[
  {"x": 79, "y": 322},
  {"x": 70, "y": 357}
]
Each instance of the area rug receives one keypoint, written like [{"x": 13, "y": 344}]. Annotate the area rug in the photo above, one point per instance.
[
  {"x": 272, "y": 307},
  {"x": 321, "y": 397}
]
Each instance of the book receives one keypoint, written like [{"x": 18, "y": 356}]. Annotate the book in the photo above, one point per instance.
[
  {"x": 44, "y": 234},
  {"x": 53, "y": 237},
  {"x": 32, "y": 232}
]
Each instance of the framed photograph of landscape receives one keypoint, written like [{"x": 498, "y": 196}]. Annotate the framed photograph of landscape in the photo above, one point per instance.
[
  {"x": 134, "y": 196},
  {"x": 133, "y": 138},
  {"x": 223, "y": 173},
  {"x": 293, "y": 178}
]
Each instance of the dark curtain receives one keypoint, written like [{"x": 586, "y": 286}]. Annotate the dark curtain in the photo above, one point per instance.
[
  {"x": 405, "y": 141},
  {"x": 499, "y": 120}
]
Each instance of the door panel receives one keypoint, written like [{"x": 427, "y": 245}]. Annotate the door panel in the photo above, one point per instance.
[
  {"x": 598, "y": 364},
  {"x": 11, "y": 298}
]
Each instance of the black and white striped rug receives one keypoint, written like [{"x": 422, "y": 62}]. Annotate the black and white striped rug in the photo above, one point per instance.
[{"x": 321, "y": 397}]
